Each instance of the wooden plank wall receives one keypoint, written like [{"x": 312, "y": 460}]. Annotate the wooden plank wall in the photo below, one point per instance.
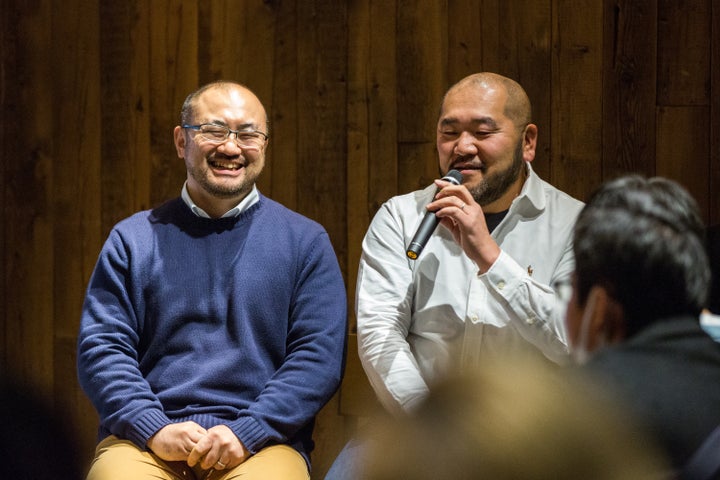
[{"x": 90, "y": 91}]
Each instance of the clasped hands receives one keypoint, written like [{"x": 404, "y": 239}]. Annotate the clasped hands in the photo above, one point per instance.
[{"x": 217, "y": 447}]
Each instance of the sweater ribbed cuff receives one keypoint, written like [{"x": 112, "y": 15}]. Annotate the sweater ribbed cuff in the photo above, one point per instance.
[
  {"x": 146, "y": 426},
  {"x": 250, "y": 432}
]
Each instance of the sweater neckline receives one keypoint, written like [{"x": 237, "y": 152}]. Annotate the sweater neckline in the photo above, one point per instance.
[{"x": 179, "y": 213}]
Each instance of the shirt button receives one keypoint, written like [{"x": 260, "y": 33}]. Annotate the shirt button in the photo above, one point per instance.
[
  {"x": 501, "y": 285},
  {"x": 474, "y": 318},
  {"x": 531, "y": 321}
]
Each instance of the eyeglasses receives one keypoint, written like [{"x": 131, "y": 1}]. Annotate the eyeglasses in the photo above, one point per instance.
[{"x": 218, "y": 134}]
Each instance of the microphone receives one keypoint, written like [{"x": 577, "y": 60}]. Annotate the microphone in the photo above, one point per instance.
[{"x": 430, "y": 222}]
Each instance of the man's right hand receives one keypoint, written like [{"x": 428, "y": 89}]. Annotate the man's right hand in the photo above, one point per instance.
[{"x": 174, "y": 442}]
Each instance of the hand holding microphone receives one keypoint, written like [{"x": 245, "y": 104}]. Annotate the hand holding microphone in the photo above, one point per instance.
[{"x": 429, "y": 222}]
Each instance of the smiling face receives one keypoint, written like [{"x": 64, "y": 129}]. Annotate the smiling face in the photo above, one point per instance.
[
  {"x": 221, "y": 175},
  {"x": 476, "y": 136}
]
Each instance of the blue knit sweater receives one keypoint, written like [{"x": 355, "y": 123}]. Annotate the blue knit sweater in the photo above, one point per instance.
[{"x": 238, "y": 321}]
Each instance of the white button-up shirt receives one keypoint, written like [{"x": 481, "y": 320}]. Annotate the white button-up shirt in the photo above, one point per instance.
[{"x": 418, "y": 318}]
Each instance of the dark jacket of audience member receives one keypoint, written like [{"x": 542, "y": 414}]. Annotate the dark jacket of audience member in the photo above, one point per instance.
[
  {"x": 713, "y": 236},
  {"x": 642, "y": 279}
]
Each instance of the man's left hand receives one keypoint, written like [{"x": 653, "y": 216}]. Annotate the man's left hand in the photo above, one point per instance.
[
  {"x": 220, "y": 449},
  {"x": 464, "y": 217}
]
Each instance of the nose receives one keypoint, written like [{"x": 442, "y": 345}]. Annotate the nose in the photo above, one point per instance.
[
  {"x": 465, "y": 145},
  {"x": 230, "y": 144}
]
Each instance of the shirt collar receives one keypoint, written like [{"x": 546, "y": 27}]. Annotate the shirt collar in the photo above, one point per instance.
[
  {"x": 249, "y": 200},
  {"x": 532, "y": 197}
]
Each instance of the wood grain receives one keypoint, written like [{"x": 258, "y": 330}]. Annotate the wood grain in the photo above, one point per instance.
[
  {"x": 91, "y": 90},
  {"x": 629, "y": 87},
  {"x": 576, "y": 96}
]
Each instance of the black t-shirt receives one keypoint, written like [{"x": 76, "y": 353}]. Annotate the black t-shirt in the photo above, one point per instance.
[{"x": 494, "y": 219}]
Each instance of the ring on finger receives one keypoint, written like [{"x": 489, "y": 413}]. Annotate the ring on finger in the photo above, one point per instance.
[
  {"x": 220, "y": 464},
  {"x": 462, "y": 207}
]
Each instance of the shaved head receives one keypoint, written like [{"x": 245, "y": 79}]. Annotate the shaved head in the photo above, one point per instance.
[
  {"x": 517, "y": 107},
  {"x": 187, "y": 112}
]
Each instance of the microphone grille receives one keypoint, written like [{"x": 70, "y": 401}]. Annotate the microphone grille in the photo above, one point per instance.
[{"x": 453, "y": 176}]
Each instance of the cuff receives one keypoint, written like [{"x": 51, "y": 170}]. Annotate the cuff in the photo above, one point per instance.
[
  {"x": 146, "y": 426},
  {"x": 250, "y": 433}
]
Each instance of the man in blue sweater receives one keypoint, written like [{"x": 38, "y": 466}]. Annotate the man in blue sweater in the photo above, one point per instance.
[{"x": 213, "y": 330}]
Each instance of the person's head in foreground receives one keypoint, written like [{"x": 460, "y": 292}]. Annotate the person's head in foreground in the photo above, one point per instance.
[{"x": 639, "y": 259}]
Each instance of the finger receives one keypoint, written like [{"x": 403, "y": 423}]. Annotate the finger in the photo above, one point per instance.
[
  {"x": 451, "y": 207},
  {"x": 193, "y": 435},
  {"x": 439, "y": 204},
  {"x": 440, "y": 183},
  {"x": 443, "y": 191},
  {"x": 199, "y": 451},
  {"x": 211, "y": 459},
  {"x": 454, "y": 202},
  {"x": 449, "y": 223},
  {"x": 447, "y": 188},
  {"x": 213, "y": 454},
  {"x": 197, "y": 434}
]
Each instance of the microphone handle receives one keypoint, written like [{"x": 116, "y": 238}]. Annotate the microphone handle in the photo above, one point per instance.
[{"x": 426, "y": 228}]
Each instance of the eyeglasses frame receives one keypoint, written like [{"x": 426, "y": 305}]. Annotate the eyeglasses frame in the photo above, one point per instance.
[{"x": 230, "y": 131}]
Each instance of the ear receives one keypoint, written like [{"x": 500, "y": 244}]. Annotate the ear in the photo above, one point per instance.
[
  {"x": 607, "y": 323},
  {"x": 529, "y": 142},
  {"x": 615, "y": 330},
  {"x": 179, "y": 137}
]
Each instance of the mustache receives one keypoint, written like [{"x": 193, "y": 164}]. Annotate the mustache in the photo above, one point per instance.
[
  {"x": 467, "y": 162},
  {"x": 215, "y": 156}
]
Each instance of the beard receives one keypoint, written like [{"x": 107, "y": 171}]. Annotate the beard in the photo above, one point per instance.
[
  {"x": 220, "y": 189},
  {"x": 494, "y": 186}
]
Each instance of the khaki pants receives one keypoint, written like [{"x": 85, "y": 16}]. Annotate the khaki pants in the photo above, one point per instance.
[{"x": 117, "y": 459}]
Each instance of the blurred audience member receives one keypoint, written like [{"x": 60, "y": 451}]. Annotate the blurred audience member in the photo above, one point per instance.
[
  {"x": 520, "y": 421},
  {"x": 713, "y": 244},
  {"x": 35, "y": 444},
  {"x": 710, "y": 318},
  {"x": 641, "y": 282}
]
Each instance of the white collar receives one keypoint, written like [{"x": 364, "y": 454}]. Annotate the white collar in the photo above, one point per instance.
[{"x": 249, "y": 200}]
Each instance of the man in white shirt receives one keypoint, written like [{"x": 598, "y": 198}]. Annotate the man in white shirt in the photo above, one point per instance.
[{"x": 487, "y": 284}]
